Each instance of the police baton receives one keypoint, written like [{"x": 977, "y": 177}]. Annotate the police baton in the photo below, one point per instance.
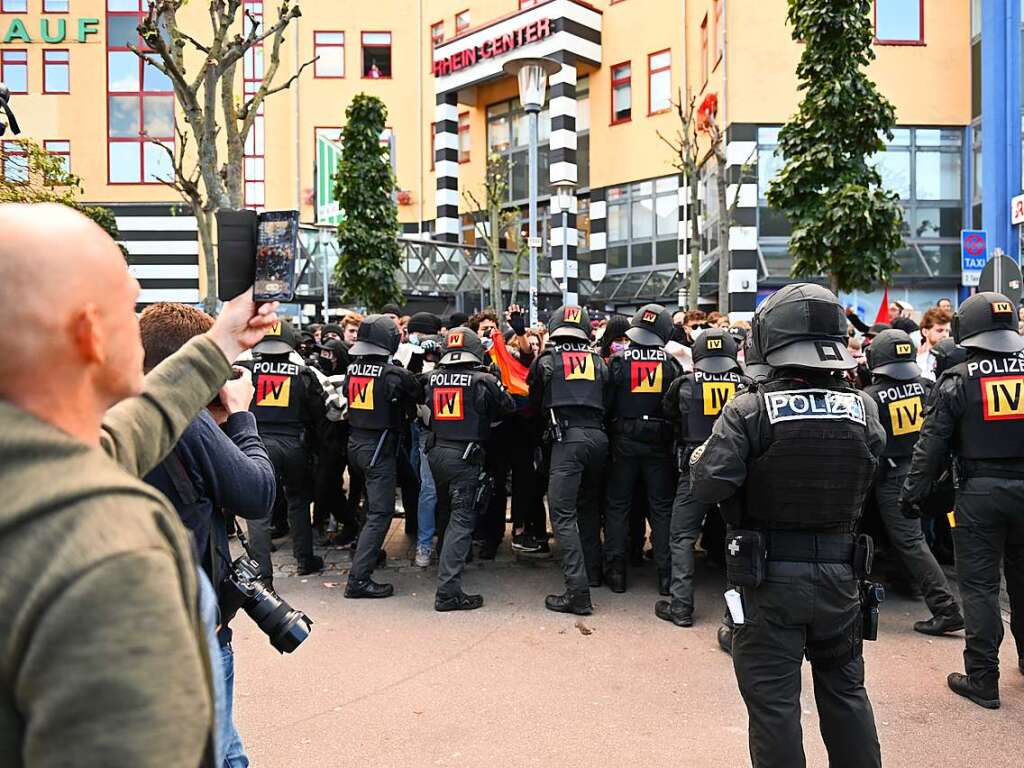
[{"x": 380, "y": 444}]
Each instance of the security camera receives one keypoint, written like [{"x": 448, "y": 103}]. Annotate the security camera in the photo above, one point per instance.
[{"x": 5, "y": 107}]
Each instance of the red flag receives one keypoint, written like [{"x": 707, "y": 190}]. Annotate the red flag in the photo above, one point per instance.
[
  {"x": 883, "y": 311},
  {"x": 513, "y": 372}
]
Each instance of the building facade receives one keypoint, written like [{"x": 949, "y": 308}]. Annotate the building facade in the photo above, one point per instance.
[{"x": 438, "y": 65}]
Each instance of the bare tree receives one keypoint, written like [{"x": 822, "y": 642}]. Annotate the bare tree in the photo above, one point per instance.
[
  {"x": 495, "y": 219},
  {"x": 203, "y": 76},
  {"x": 685, "y": 148}
]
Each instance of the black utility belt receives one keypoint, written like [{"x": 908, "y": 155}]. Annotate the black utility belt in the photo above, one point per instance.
[
  {"x": 748, "y": 552},
  {"x": 1005, "y": 470}
]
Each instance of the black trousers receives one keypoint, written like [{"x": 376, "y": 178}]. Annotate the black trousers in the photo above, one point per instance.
[
  {"x": 329, "y": 494},
  {"x": 522, "y": 447},
  {"x": 631, "y": 464},
  {"x": 577, "y": 464},
  {"x": 811, "y": 608},
  {"x": 380, "y": 480},
  {"x": 989, "y": 533},
  {"x": 456, "y": 481},
  {"x": 688, "y": 515},
  {"x": 294, "y": 473}
]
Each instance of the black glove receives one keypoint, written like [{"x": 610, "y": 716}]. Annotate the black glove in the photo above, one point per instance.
[
  {"x": 518, "y": 323},
  {"x": 910, "y": 509}
]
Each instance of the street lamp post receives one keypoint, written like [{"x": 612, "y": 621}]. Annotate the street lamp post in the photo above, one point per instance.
[
  {"x": 564, "y": 193},
  {"x": 533, "y": 82}
]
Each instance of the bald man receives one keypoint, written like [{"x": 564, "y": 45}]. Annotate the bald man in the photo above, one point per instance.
[{"x": 103, "y": 659}]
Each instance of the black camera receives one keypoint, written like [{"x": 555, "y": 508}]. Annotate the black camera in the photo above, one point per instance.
[{"x": 242, "y": 588}]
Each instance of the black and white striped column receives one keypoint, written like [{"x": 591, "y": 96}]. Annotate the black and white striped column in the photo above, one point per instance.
[
  {"x": 562, "y": 170},
  {"x": 741, "y": 173},
  {"x": 446, "y": 167},
  {"x": 598, "y": 234},
  {"x": 686, "y": 214}
]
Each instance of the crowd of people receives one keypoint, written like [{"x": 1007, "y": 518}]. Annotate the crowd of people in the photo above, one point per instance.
[{"x": 780, "y": 450}]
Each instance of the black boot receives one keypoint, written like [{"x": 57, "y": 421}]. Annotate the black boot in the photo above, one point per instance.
[
  {"x": 368, "y": 588},
  {"x": 940, "y": 625},
  {"x": 615, "y": 576},
  {"x": 595, "y": 578},
  {"x": 460, "y": 601},
  {"x": 347, "y": 536},
  {"x": 664, "y": 583},
  {"x": 986, "y": 696},
  {"x": 725, "y": 638},
  {"x": 577, "y": 602},
  {"x": 673, "y": 612},
  {"x": 310, "y": 565}
]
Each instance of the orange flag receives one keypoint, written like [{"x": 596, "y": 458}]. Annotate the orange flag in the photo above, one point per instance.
[{"x": 513, "y": 373}]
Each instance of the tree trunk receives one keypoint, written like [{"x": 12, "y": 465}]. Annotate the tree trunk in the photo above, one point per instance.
[{"x": 204, "y": 223}]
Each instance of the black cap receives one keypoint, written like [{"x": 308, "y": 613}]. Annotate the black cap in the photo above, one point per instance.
[
  {"x": 391, "y": 309},
  {"x": 456, "y": 319},
  {"x": 876, "y": 329},
  {"x": 804, "y": 326},
  {"x": 425, "y": 323},
  {"x": 377, "y": 335},
  {"x": 332, "y": 328},
  {"x": 947, "y": 354},
  {"x": 569, "y": 323},
  {"x": 279, "y": 340},
  {"x": 988, "y": 321},
  {"x": 336, "y": 352},
  {"x": 651, "y": 326},
  {"x": 892, "y": 353},
  {"x": 715, "y": 351},
  {"x": 905, "y": 324},
  {"x": 461, "y": 345}
]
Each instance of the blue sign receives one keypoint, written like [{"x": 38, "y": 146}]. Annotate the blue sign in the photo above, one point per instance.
[{"x": 973, "y": 255}]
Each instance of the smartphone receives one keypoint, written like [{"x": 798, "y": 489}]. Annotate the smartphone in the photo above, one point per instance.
[
  {"x": 277, "y": 248},
  {"x": 236, "y": 249}
]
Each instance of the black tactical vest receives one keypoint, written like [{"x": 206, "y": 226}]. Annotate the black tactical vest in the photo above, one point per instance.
[
  {"x": 577, "y": 378},
  {"x": 648, "y": 375},
  {"x": 901, "y": 411},
  {"x": 451, "y": 397},
  {"x": 280, "y": 391},
  {"x": 709, "y": 392},
  {"x": 369, "y": 401},
  {"x": 817, "y": 468},
  {"x": 992, "y": 426}
]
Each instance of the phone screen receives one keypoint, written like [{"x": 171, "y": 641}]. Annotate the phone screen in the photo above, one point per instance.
[{"x": 276, "y": 253}]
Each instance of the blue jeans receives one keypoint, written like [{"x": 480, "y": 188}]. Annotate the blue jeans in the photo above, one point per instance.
[
  {"x": 231, "y": 742},
  {"x": 425, "y": 513},
  {"x": 208, "y": 614}
]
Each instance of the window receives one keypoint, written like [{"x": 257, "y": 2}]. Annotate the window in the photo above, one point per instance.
[
  {"x": 622, "y": 93},
  {"x": 61, "y": 150},
  {"x": 717, "y": 34},
  {"x": 376, "y": 55},
  {"x": 437, "y": 33},
  {"x": 254, "y": 161},
  {"x": 14, "y": 69},
  {"x": 56, "y": 6},
  {"x": 530, "y": 3},
  {"x": 643, "y": 223},
  {"x": 15, "y": 162},
  {"x": 140, "y": 103},
  {"x": 508, "y": 135},
  {"x": 56, "y": 71},
  {"x": 461, "y": 22},
  {"x": 704, "y": 52},
  {"x": 329, "y": 48},
  {"x": 899, "y": 22},
  {"x": 13, "y": 6},
  {"x": 659, "y": 81},
  {"x": 464, "y": 144}
]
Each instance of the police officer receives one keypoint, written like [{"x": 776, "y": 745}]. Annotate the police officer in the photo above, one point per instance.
[
  {"x": 463, "y": 402},
  {"x": 794, "y": 462},
  {"x": 569, "y": 384},
  {"x": 901, "y": 393},
  {"x": 381, "y": 398},
  {"x": 977, "y": 412},
  {"x": 694, "y": 402},
  {"x": 641, "y": 441},
  {"x": 290, "y": 415}
]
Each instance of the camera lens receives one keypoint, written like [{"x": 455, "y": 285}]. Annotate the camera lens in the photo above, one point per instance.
[{"x": 286, "y": 627}]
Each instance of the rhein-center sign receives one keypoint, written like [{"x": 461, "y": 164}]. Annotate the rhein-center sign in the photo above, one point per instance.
[{"x": 496, "y": 46}]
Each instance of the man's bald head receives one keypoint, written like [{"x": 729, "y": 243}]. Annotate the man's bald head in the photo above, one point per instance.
[{"x": 67, "y": 294}]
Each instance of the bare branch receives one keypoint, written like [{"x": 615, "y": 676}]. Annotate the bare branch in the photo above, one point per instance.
[{"x": 260, "y": 95}]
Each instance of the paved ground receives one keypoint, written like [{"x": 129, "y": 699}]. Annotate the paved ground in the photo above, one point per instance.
[{"x": 392, "y": 683}]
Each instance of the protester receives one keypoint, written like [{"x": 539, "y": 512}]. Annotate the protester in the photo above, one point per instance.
[{"x": 934, "y": 328}]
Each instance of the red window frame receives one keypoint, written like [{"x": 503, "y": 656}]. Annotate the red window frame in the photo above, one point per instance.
[
  {"x": 21, "y": 54},
  {"x": 141, "y": 94},
  {"x": 363, "y": 46},
  {"x": 3, "y": 7},
  {"x": 920, "y": 16},
  {"x": 650, "y": 76},
  {"x": 717, "y": 34},
  {"x": 460, "y": 28},
  {"x": 616, "y": 82},
  {"x": 317, "y": 46},
  {"x": 437, "y": 32},
  {"x": 46, "y": 10},
  {"x": 464, "y": 129},
  {"x": 59, "y": 153},
  {"x": 254, "y": 182},
  {"x": 66, "y": 63},
  {"x": 14, "y": 148},
  {"x": 704, "y": 52}
]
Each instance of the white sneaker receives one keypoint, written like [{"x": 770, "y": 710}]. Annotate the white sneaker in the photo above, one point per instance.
[{"x": 422, "y": 557}]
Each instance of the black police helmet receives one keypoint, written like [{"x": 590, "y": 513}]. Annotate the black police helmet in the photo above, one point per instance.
[
  {"x": 947, "y": 354},
  {"x": 754, "y": 365},
  {"x": 461, "y": 345},
  {"x": 651, "y": 326},
  {"x": 893, "y": 353},
  {"x": 377, "y": 335},
  {"x": 569, "y": 323},
  {"x": 988, "y": 321},
  {"x": 279, "y": 340},
  {"x": 715, "y": 351},
  {"x": 804, "y": 326}
]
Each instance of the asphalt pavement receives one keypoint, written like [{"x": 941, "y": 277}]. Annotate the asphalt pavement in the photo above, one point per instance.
[{"x": 393, "y": 683}]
